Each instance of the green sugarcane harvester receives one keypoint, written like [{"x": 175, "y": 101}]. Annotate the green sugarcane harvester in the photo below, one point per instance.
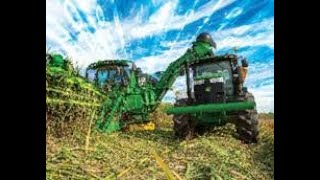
[{"x": 215, "y": 92}]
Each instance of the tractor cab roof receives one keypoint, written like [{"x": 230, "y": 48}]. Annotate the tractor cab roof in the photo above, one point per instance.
[
  {"x": 110, "y": 63},
  {"x": 215, "y": 59}
]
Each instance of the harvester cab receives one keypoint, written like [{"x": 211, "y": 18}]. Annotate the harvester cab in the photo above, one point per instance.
[
  {"x": 110, "y": 74},
  {"x": 129, "y": 90}
]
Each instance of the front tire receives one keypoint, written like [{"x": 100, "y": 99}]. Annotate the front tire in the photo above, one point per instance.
[
  {"x": 183, "y": 125},
  {"x": 247, "y": 123}
]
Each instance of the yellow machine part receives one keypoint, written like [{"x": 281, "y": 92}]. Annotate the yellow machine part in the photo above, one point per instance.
[{"x": 150, "y": 126}]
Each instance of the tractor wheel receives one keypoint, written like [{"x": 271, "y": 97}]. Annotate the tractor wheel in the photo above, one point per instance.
[
  {"x": 182, "y": 124},
  {"x": 247, "y": 123}
]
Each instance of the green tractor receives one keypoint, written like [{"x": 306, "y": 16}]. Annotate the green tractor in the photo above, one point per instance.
[
  {"x": 215, "y": 92},
  {"x": 216, "y": 96}
]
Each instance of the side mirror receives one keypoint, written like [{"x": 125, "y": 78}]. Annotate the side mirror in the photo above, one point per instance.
[{"x": 244, "y": 62}]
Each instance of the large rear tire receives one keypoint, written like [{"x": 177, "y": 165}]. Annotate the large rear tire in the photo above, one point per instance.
[{"x": 247, "y": 123}]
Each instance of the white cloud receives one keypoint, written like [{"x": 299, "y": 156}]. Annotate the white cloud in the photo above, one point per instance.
[
  {"x": 109, "y": 38},
  {"x": 259, "y": 71},
  {"x": 89, "y": 47},
  {"x": 87, "y": 6},
  {"x": 264, "y": 97},
  {"x": 165, "y": 19},
  {"x": 151, "y": 64},
  {"x": 256, "y": 34},
  {"x": 264, "y": 93},
  {"x": 179, "y": 90},
  {"x": 234, "y": 13}
]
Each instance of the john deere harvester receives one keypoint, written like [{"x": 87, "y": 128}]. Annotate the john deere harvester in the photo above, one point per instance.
[{"x": 215, "y": 92}]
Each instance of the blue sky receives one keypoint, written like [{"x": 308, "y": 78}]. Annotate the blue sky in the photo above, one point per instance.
[{"x": 154, "y": 33}]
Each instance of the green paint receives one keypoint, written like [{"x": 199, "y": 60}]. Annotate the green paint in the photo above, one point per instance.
[{"x": 235, "y": 106}]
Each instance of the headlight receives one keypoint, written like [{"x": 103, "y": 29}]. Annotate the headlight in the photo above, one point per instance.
[
  {"x": 215, "y": 80},
  {"x": 199, "y": 82}
]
